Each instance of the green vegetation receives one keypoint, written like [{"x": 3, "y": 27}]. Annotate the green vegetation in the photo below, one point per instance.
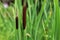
[{"x": 44, "y": 26}]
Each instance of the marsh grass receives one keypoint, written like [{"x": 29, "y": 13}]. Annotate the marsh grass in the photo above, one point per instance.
[{"x": 44, "y": 26}]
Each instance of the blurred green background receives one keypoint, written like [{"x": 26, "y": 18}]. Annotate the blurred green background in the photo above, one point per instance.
[{"x": 42, "y": 20}]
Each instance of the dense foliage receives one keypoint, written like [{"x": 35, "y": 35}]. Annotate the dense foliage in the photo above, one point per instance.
[{"x": 42, "y": 20}]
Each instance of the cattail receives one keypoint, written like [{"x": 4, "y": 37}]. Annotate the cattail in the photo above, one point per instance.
[
  {"x": 16, "y": 22},
  {"x": 24, "y": 14},
  {"x": 24, "y": 17},
  {"x": 16, "y": 19}
]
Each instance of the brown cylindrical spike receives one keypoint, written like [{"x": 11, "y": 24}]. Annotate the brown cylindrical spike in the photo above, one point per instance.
[
  {"x": 24, "y": 17},
  {"x": 16, "y": 22},
  {"x": 24, "y": 14}
]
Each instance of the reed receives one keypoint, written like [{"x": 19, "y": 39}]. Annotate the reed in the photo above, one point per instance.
[{"x": 42, "y": 20}]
